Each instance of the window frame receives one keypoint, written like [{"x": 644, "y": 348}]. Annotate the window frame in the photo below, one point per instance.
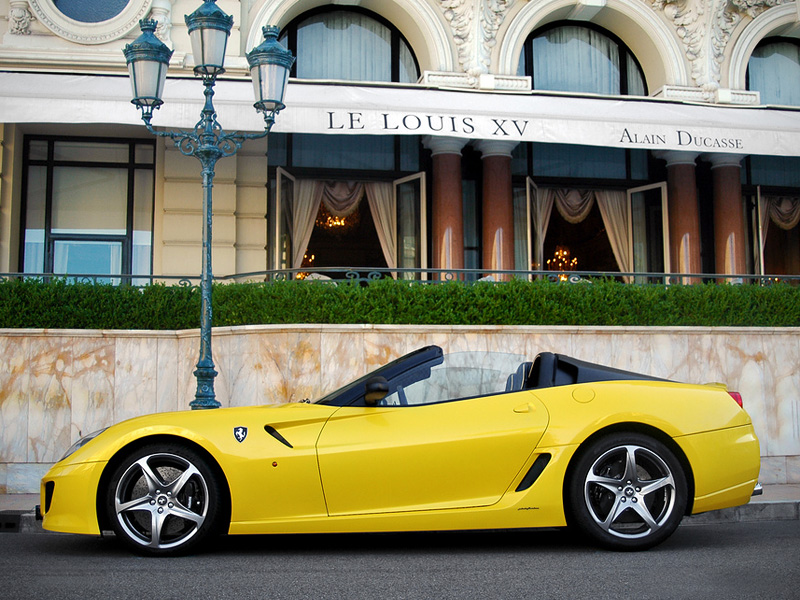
[{"x": 50, "y": 163}]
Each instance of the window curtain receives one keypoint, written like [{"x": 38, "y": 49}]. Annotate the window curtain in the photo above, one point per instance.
[
  {"x": 344, "y": 45},
  {"x": 774, "y": 70},
  {"x": 383, "y": 207},
  {"x": 520, "y": 230},
  {"x": 784, "y": 211},
  {"x": 542, "y": 208},
  {"x": 574, "y": 207},
  {"x": 341, "y": 198},
  {"x": 575, "y": 59},
  {"x": 304, "y": 213},
  {"x": 614, "y": 209}
]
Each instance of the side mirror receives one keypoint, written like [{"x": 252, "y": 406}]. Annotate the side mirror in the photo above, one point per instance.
[{"x": 376, "y": 389}]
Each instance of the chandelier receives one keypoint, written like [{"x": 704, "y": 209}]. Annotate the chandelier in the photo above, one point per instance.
[
  {"x": 337, "y": 225},
  {"x": 562, "y": 262}
]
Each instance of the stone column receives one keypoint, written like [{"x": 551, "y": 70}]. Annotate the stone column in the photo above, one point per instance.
[
  {"x": 730, "y": 229},
  {"x": 447, "y": 221},
  {"x": 498, "y": 205},
  {"x": 683, "y": 212}
]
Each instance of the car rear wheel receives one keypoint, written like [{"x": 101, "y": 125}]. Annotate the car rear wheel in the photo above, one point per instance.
[
  {"x": 164, "y": 499},
  {"x": 628, "y": 492}
]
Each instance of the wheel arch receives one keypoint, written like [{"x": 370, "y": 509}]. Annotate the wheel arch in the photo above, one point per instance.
[
  {"x": 632, "y": 427},
  {"x": 119, "y": 456}
]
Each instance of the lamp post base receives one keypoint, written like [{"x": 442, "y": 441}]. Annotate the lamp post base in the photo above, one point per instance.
[{"x": 205, "y": 397}]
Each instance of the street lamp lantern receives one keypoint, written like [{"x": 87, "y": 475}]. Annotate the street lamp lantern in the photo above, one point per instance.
[
  {"x": 209, "y": 28},
  {"x": 270, "y": 64},
  {"x": 148, "y": 59}
]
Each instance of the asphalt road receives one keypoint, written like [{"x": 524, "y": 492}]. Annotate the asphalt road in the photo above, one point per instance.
[{"x": 726, "y": 561}]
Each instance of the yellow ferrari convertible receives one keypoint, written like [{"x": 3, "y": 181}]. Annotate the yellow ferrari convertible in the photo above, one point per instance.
[{"x": 427, "y": 442}]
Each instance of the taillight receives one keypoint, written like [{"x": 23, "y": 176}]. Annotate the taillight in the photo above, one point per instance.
[{"x": 737, "y": 397}]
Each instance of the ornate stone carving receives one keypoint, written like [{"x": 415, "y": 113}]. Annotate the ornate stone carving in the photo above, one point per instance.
[
  {"x": 161, "y": 12},
  {"x": 19, "y": 18},
  {"x": 492, "y": 14},
  {"x": 474, "y": 24},
  {"x": 705, "y": 27},
  {"x": 753, "y": 8}
]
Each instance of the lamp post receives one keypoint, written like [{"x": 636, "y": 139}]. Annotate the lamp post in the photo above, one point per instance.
[{"x": 148, "y": 60}]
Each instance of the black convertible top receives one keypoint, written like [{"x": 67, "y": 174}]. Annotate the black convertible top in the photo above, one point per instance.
[{"x": 549, "y": 370}]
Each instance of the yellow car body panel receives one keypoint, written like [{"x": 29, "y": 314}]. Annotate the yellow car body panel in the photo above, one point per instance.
[
  {"x": 398, "y": 459},
  {"x": 248, "y": 465},
  {"x": 673, "y": 408},
  {"x": 722, "y": 479},
  {"x": 72, "y": 506},
  {"x": 539, "y": 506},
  {"x": 447, "y": 465}
]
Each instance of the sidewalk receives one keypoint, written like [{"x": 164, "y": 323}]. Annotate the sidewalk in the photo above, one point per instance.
[{"x": 777, "y": 503}]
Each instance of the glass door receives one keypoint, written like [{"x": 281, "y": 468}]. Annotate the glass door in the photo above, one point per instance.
[
  {"x": 412, "y": 232},
  {"x": 648, "y": 231},
  {"x": 281, "y": 229},
  {"x": 760, "y": 234}
]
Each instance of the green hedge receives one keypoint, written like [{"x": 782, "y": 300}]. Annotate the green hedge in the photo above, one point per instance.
[{"x": 28, "y": 303}]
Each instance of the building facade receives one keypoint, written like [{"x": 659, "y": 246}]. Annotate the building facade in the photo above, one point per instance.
[{"x": 435, "y": 134}]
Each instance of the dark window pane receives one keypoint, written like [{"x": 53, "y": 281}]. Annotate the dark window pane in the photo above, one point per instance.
[
  {"x": 367, "y": 152},
  {"x": 564, "y": 160},
  {"x": 782, "y": 171},
  {"x": 91, "y": 11}
]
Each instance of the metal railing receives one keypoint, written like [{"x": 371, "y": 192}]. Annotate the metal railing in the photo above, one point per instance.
[{"x": 422, "y": 276}]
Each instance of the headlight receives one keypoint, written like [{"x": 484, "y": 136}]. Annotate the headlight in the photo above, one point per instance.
[{"x": 82, "y": 442}]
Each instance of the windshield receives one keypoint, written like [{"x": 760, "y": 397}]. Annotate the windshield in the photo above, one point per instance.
[
  {"x": 427, "y": 376},
  {"x": 459, "y": 375},
  {"x": 345, "y": 395}
]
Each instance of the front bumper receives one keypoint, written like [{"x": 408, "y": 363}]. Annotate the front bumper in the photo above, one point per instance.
[{"x": 69, "y": 498}]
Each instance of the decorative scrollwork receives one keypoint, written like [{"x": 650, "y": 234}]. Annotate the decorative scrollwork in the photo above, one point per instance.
[
  {"x": 373, "y": 275},
  {"x": 185, "y": 283}
]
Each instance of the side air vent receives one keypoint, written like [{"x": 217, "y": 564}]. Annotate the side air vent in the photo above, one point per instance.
[
  {"x": 274, "y": 433},
  {"x": 533, "y": 473}
]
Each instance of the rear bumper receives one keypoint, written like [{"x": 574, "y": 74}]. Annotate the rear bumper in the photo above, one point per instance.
[
  {"x": 758, "y": 490},
  {"x": 722, "y": 478}
]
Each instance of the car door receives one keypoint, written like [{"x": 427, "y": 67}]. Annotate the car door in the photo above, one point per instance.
[{"x": 452, "y": 454}]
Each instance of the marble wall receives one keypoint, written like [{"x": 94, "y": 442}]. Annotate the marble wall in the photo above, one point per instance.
[{"x": 60, "y": 384}]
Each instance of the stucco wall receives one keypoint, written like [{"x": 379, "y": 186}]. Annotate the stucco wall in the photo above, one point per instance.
[{"x": 58, "y": 385}]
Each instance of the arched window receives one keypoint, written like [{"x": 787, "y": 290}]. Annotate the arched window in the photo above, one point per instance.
[
  {"x": 351, "y": 45},
  {"x": 578, "y": 58},
  {"x": 774, "y": 70},
  {"x": 91, "y": 11}
]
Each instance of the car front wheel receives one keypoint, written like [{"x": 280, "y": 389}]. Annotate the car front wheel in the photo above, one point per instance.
[
  {"x": 164, "y": 499},
  {"x": 627, "y": 492}
]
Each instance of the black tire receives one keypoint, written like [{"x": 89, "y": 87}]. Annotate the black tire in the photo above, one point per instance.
[
  {"x": 164, "y": 499},
  {"x": 627, "y": 492}
]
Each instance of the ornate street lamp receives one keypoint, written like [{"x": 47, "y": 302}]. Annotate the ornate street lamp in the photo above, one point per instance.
[{"x": 148, "y": 59}]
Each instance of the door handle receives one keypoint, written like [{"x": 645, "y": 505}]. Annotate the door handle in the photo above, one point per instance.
[{"x": 524, "y": 408}]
